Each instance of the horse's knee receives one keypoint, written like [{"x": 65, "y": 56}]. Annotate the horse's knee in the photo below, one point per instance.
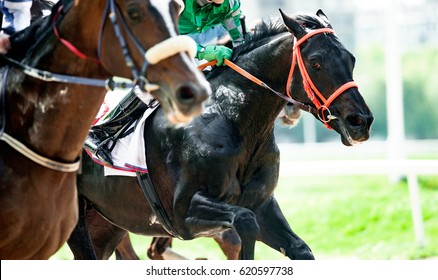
[
  {"x": 246, "y": 224},
  {"x": 186, "y": 233}
]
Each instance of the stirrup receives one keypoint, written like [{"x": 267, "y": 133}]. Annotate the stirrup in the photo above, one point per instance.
[{"x": 100, "y": 151}]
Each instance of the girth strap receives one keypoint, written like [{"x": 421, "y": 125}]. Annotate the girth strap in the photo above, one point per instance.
[{"x": 154, "y": 201}]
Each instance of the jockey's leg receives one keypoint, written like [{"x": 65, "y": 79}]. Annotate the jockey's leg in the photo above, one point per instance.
[
  {"x": 101, "y": 138},
  {"x": 16, "y": 15}
]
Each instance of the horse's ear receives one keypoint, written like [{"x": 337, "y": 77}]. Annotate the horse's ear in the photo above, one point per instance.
[
  {"x": 322, "y": 16},
  {"x": 293, "y": 26}
]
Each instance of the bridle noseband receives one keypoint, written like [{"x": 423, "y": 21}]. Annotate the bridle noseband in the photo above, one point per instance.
[
  {"x": 154, "y": 55},
  {"x": 112, "y": 11},
  {"x": 321, "y": 103}
]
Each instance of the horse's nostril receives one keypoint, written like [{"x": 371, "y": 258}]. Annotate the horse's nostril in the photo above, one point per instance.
[
  {"x": 356, "y": 120},
  {"x": 186, "y": 94}
]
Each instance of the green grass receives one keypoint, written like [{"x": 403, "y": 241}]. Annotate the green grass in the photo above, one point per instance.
[
  {"x": 362, "y": 217},
  {"x": 358, "y": 217}
]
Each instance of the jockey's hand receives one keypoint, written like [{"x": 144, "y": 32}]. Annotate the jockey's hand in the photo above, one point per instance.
[
  {"x": 213, "y": 52},
  {"x": 4, "y": 43}
]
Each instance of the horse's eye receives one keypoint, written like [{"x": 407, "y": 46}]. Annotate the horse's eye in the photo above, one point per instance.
[
  {"x": 315, "y": 65},
  {"x": 134, "y": 12}
]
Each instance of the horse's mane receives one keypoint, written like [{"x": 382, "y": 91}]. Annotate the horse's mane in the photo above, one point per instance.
[
  {"x": 268, "y": 28},
  {"x": 262, "y": 34},
  {"x": 38, "y": 6}
]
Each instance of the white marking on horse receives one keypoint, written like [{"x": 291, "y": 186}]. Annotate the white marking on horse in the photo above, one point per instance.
[
  {"x": 164, "y": 8},
  {"x": 63, "y": 91}
]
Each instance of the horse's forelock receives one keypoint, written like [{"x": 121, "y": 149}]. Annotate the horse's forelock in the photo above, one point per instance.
[{"x": 310, "y": 21}]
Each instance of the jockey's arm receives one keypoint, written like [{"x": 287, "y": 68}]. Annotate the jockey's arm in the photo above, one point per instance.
[{"x": 233, "y": 25}]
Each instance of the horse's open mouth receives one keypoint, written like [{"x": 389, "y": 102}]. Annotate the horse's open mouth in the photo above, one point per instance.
[
  {"x": 346, "y": 137},
  {"x": 177, "y": 118}
]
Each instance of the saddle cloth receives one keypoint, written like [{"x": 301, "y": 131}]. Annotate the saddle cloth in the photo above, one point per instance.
[{"x": 129, "y": 154}]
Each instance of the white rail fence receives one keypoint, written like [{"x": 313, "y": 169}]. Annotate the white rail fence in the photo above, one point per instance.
[{"x": 411, "y": 168}]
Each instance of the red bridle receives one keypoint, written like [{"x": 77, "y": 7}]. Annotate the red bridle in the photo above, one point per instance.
[{"x": 321, "y": 103}]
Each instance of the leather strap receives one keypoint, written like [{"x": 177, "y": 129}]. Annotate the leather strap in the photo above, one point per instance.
[{"x": 154, "y": 201}]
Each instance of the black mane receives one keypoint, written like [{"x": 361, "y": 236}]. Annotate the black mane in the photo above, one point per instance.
[
  {"x": 262, "y": 34},
  {"x": 269, "y": 28},
  {"x": 266, "y": 29}
]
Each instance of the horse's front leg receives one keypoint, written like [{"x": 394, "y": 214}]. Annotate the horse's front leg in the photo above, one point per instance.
[
  {"x": 276, "y": 232},
  {"x": 79, "y": 241},
  {"x": 230, "y": 243},
  {"x": 94, "y": 232},
  {"x": 207, "y": 216}
]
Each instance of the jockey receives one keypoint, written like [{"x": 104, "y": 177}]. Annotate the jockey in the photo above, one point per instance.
[
  {"x": 16, "y": 17},
  {"x": 207, "y": 22}
]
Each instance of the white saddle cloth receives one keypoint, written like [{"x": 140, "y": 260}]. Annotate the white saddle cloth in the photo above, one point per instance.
[{"x": 129, "y": 154}]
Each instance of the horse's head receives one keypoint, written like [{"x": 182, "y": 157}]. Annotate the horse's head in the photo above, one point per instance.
[
  {"x": 325, "y": 68},
  {"x": 158, "y": 54}
]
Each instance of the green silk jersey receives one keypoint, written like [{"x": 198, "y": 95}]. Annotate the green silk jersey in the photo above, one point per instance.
[{"x": 196, "y": 19}]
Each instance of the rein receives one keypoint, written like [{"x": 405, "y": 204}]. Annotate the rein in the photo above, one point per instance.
[
  {"x": 152, "y": 56},
  {"x": 109, "y": 84},
  {"x": 259, "y": 82},
  {"x": 308, "y": 84}
]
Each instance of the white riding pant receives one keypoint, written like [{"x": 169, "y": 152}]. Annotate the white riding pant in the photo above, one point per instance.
[{"x": 16, "y": 15}]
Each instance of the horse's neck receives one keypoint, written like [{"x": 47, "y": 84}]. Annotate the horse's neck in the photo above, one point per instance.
[
  {"x": 57, "y": 115},
  {"x": 248, "y": 105}
]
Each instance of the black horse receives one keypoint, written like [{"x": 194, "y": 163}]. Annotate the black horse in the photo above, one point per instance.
[{"x": 220, "y": 170}]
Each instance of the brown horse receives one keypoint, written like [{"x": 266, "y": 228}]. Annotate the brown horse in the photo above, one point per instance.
[
  {"x": 220, "y": 171},
  {"x": 43, "y": 124}
]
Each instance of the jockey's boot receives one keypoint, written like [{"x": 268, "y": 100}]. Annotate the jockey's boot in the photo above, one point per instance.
[{"x": 102, "y": 138}]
